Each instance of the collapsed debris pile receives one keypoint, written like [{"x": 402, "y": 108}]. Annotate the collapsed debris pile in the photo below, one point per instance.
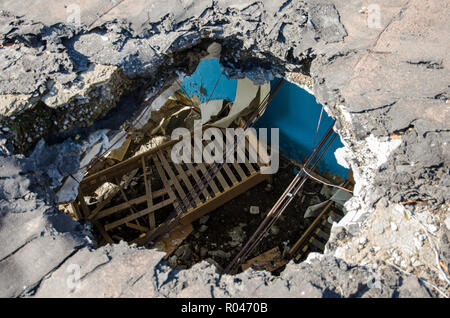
[
  {"x": 130, "y": 193},
  {"x": 237, "y": 220},
  {"x": 143, "y": 164}
]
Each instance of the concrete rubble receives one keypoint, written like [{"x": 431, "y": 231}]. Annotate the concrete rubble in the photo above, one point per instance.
[{"x": 388, "y": 94}]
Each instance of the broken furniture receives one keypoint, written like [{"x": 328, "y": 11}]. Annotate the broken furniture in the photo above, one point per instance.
[{"x": 160, "y": 186}]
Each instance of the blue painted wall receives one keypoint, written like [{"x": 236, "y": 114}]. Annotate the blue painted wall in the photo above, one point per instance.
[
  {"x": 206, "y": 76},
  {"x": 294, "y": 111}
]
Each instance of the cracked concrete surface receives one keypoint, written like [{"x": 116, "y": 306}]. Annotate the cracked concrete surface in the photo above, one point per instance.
[{"x": 380, "y": 84}]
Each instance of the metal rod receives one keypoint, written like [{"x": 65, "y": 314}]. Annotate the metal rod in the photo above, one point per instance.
[
  {"x": 284, "y": 200},
  {"x": 173, "y": 219}
]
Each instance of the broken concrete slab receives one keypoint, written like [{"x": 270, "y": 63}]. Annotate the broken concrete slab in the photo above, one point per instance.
[
  {"x": 23, "y": 270},
  {"x": 11, "y": 104},
  {"x": 340, "y": 197},
  {"x": 314, "y": 210},
  {"x": 108, "y": 272},
  {"x": 360, "y": 107}
]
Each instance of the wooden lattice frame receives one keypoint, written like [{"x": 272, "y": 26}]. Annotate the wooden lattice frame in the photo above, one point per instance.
[{"x": 232, "y": 180}]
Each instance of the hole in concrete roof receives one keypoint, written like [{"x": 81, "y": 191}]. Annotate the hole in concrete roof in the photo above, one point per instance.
[{"x": 135, "y": 189}]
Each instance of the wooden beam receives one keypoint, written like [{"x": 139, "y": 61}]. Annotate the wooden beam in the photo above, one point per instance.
[
  {"x": 76, "y": 210},
  {"x": 178, "y": 188},
  {"x": 148, "y": 195},
  {"x": 197, "y": 179},
  {"x": 100, "y": 206},
  {"x": 166, "y": 183},
  {"x": 134, "y": 216},
  {"x": 124, "y": 196},
  {"x": 186, "y": 181},
  {"x": 211, "y": 183},
  {"x": 245, "y": 161},
  {"x": 175, "y": 239},
  {"x": 239, "y": 170},
  {"x": 256, "y": 144},
  {"x": 219, "y": 175},
  {"x": 124, "y": 205},
  {"x": 230, "y": 174},
  {"x": 250, "y": 148},
  {"x": 84, "y": 207},
  {"x": 269, "y": 260},
  {"x": 310, "y": 229},
  {"x": 322, "y": 234},
  {"x": 137, "y": 227},
  {"x": 102, "y": 231},
  {"x": 222, "y": 198}
]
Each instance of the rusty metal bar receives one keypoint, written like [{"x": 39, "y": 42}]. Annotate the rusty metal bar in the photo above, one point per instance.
[{"x": 279, "y": 207}]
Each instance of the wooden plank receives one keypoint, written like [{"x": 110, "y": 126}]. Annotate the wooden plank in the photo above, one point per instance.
[
  {"x": 117, "y": 238},
  {"x": 186, "y": 180},
  {"x": 301, "y": 253},
  {"x": 123, "y": 206},
  {"x": 178, "y": 188},
  {"x": 197, "y": 179},
  {"x": 237, "y": 167},
  {"x": 148, "y": 194},
  {"x": 310, "y": 229},
  {"x": 269, "y": 261},
  {"x": 222, "y": 198},
  {"x": 100, "y": 206},
  {"x": 102, "y": 231},
  {"x": 211, "y": 183},
  {"x": 137, "y": 227},
  {"x": 163, "y": 177},
  {"x": 245, "y": 162},
  {"x": 230, "y": 174},
  {"x": 84, "y": 207},
  {"x": 76, "y": 210},
  {"x": 322, "y": 235},
  {"x": 134, "y": 216},
  {"x": 124, "y": 196},
  {"x": 97, "y": 179},
  {"x": 243, "y": 158},
  {"x": 222, "y": 181},
  {"x": 176, "y": 237},
  {"x": 219, "y": 175}
]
